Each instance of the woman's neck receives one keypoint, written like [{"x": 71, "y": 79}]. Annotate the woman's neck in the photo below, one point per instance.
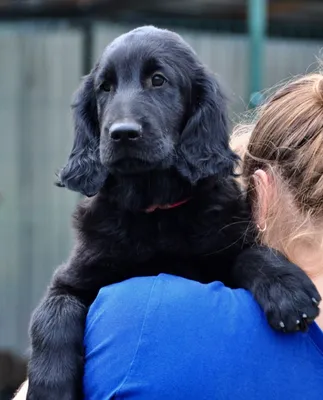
[{"x": 310, "y": 259}]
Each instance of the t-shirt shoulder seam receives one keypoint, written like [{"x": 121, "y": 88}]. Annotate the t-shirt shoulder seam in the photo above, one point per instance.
[{"x": 117, "y": 392}]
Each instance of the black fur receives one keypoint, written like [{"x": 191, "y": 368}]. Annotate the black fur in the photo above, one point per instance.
[{"x": 181, "y": 152}]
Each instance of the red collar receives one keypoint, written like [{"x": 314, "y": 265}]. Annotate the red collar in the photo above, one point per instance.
[{"x": 166, "y": 206}]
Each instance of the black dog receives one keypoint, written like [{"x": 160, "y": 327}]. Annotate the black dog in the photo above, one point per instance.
[{"x": 151, "y": 143}]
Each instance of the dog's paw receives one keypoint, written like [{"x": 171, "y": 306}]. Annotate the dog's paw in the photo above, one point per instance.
[{"x": 290, "y": 301}]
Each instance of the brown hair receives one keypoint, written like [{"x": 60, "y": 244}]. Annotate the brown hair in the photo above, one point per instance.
[{"x": 287, "y": 141}]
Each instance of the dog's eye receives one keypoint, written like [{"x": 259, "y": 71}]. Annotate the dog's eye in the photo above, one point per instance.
[
  {"x": 106, "y": 86},
  {"x": 157, "y": 80}
]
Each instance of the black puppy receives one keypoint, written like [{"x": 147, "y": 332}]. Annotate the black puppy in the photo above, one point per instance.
[{"x": 151, "y": 143}]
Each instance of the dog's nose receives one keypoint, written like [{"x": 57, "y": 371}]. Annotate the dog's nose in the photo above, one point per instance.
[{"x": 125, "y": 131}]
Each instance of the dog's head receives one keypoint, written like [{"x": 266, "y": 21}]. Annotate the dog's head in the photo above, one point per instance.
[{"x": 148, "y": 104}]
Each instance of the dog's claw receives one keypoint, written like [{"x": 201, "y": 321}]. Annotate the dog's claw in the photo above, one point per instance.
[{"x": 315, "y": 301}]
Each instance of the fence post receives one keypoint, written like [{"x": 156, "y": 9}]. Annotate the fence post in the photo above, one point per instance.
[{"x": 257, "y": 21}]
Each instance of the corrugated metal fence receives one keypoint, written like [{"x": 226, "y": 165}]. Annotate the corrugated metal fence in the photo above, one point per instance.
[{"x": 39, "y": 70}]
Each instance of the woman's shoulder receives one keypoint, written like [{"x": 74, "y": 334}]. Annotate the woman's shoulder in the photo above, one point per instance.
[
  {"x": 143, "y": 296},
  {"x": 174, "y": 286},
  {"x": 161, "y": 300},
  {"x": 135, "y": 322},
  {"x": 174, "y": 292},
  {"x": 161, "y": 336},
  {"x": 168, "y": 315}
]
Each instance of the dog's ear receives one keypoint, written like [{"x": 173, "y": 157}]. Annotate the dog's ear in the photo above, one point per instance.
[
  {"x": 84, "y": 172},
  {"x": 204, "y": 147}
]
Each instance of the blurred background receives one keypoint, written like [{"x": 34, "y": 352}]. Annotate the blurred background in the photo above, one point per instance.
[{"x": 45, "y": 47}]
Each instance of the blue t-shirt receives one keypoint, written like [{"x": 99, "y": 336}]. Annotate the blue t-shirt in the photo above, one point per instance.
[{"x": 165, "y": 337}]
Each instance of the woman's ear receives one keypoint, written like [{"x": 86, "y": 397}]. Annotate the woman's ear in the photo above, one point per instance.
[{"x": 263, "y": 194}]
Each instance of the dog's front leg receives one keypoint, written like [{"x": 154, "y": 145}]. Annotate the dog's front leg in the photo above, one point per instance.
[
  {"x": 56, "y": 364},
  {"x": 55, "y": 369}
]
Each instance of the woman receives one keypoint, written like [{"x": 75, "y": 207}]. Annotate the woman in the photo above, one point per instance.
[{"x": 166, "y": 337}]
